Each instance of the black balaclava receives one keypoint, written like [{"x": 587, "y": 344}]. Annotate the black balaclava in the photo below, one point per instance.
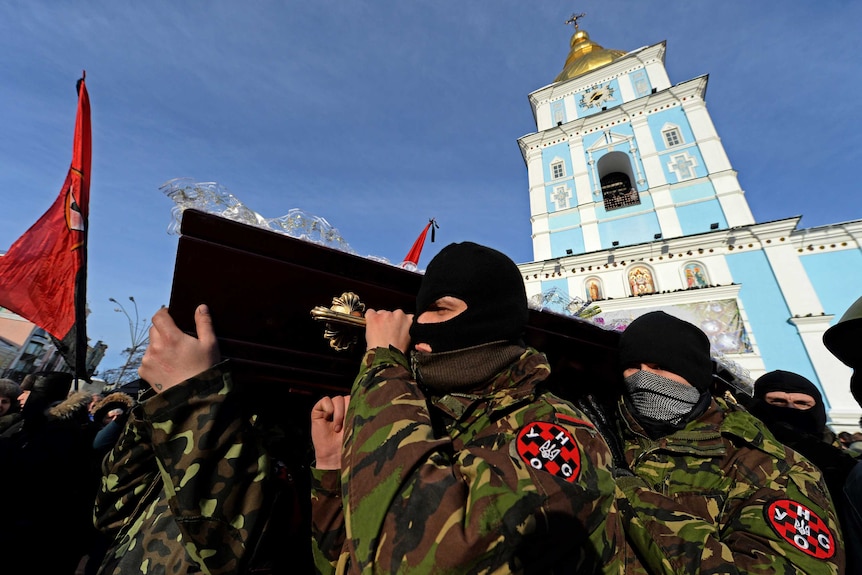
[
  {"x": 491, "y": 286},
  {"x": 486, "y": 337},
  {"x": 674, "y": 345},
  {"x": 811, "y": 421}
]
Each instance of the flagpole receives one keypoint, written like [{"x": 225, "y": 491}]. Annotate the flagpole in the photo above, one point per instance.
[{"x": 81, "y": 371}]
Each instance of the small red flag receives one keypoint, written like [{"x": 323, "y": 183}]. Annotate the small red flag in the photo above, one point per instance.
[
  {"x": 411, "y": 261},
  {"x": 43, "y": 275}
]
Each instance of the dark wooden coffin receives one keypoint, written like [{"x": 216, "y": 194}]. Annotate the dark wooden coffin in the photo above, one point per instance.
[{"x": 261, "y": 286}]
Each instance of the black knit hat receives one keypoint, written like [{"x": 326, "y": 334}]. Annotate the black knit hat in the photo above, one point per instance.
[
  {"x": 9, "y": 389},
  {"x": 491, "y": 286},
  {"x": 675, "y": 345}
]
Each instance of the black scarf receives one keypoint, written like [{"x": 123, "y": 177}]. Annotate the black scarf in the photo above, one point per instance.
[{"x": 463, "y": 369}]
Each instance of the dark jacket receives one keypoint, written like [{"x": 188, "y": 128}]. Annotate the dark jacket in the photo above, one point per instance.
[
  {"x": 48, "y": 475},
  {"x": 508, "y": 478},
  {"x": 190, "y": 486},
  {"x": 836, "y": 464},
  {"x": 723, "y": 495}
]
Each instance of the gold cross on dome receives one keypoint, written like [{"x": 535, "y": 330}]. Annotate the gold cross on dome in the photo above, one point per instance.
[{"x": 574, "y": 19}]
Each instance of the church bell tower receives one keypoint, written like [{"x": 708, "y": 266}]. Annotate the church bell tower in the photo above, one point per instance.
[{"x": 622, "y": 157}]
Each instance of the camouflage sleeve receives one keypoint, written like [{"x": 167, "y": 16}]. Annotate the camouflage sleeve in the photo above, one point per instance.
[
  {"x": 777, "y": 529},
  {"x": 327, "y": 519},
  {"x": 127, "y": 470},
  {"x": 213, "y": 467},
  {"x": 416, "y": 502}
]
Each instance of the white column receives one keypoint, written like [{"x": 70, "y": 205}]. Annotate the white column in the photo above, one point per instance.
[
  {"x": 541, "y": 238},
  {"x": 705, "y": 135},
  {"x": 538, "y": 205},
  {"x": 800, "y": 295},
  {"x": 590, "y": 229},
  {"x": 649, "y": 156},
  {"x": 627, "y": 93},
  {"x": 657, "y": 74},
  {"x": 834, "y": 376},
  {"x": 580, "y": 170},
  {"x": 732, "y": 199}
]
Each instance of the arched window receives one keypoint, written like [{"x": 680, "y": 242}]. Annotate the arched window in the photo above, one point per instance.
[
  {"x": 695, "y": 275},
  {"x": 615, "y": 176},
  {"x": 593, "y": 289},
  {"x": 641, "y": 280}
]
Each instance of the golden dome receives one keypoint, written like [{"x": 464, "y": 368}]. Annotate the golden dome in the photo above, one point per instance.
[{"x": 584, "y": 56}]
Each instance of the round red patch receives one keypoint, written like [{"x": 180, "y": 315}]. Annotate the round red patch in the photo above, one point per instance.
[
  {"x": 551, "y": 448},
  {"x": 801, "y": 527}
]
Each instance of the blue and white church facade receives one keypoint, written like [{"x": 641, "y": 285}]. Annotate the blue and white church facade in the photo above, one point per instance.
[{"x": 635, "y": 207}]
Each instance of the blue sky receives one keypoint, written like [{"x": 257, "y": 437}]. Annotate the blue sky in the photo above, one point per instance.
[{"x": 379, "y": 115}]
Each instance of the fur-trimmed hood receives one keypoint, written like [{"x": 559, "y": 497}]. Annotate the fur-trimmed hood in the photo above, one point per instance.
[
  {"x": 112, "y": 401},
  {"x": 76, "y": 406}
]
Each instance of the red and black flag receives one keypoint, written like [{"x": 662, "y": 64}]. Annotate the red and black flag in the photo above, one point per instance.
[
  {"x": 43, "y": 276},
  {"x": 411, "y": 261}
]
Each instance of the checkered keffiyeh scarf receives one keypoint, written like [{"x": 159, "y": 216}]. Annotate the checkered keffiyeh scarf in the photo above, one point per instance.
[{"x": 659, "y": 398}]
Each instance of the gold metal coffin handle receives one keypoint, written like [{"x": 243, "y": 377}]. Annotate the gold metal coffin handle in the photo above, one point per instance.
[{"x": 346, "y": 311}]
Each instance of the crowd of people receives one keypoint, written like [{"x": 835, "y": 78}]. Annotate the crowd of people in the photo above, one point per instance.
[
  {"x": 449, "y": 455},
  {"x": 52, "y": 440}
]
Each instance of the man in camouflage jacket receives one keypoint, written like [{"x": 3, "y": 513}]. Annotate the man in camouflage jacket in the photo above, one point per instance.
[
  {"x": 462, "y": 463},
  {"x": 708, "y": 489},
  {"x": 187, "y": 488}
]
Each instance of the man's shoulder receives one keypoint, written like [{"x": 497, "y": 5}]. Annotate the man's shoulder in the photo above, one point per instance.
[
  {"x": 546, "y": 406},
  {"x": 216, "y": 381},
  {"x": 739, "y": 423},
  {"x": 557, "y": 402}
]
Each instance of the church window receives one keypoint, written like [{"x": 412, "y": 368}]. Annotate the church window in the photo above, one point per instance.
[
  {"x": 561, "y": 197},
  {"x": 641, "y": 281},
  {"x": 558, "y": 170},
  {"x": 615, "y": 173},
  {"x": 695, "y": 275},
  {"x": 672, "y": 137},
  {"x": 617, "y": 191}
]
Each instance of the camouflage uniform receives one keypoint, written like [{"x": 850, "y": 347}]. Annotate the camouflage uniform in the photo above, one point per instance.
[
  {"x": 185, "y": 487},
  {"x": 723, "y": 496},
  {"x": 504, "y": 479}
]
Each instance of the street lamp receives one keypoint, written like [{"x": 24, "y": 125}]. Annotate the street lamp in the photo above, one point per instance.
[{"x": 138, "y": 332}]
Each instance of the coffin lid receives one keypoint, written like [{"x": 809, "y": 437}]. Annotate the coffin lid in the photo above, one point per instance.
[{"x": 260, "y": 287}]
